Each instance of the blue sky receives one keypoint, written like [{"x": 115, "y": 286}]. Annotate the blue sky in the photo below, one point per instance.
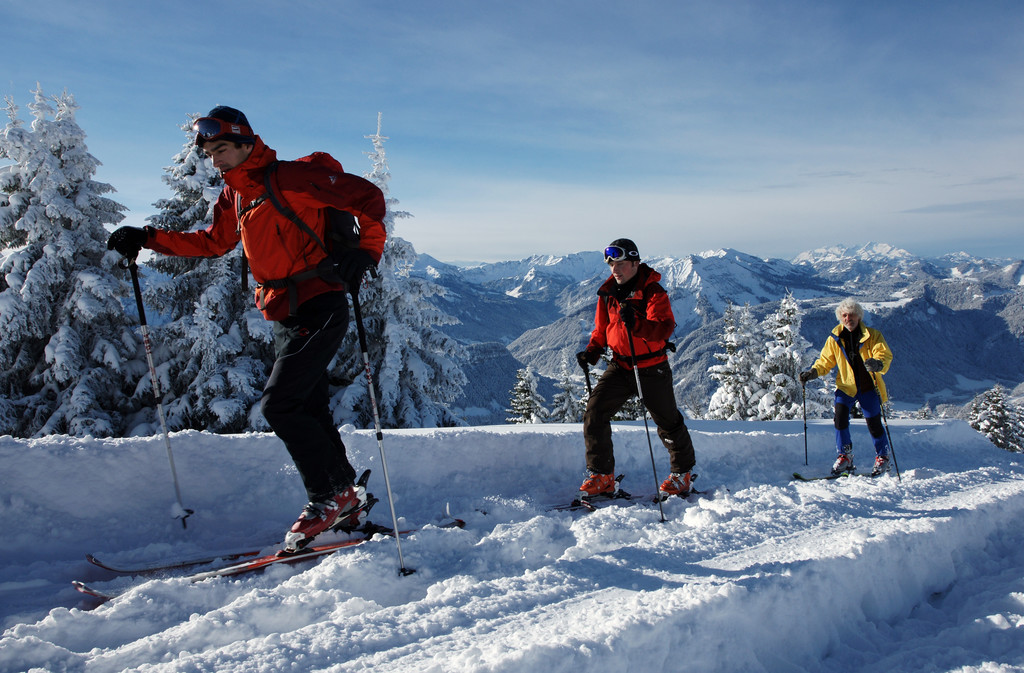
[{"x": 552, "y": 127}]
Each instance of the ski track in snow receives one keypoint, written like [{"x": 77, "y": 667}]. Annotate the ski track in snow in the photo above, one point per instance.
[{"x": 767, "y": 575}]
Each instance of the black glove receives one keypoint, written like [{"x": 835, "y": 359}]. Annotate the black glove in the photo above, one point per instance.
[
  {"x": 873, "y": 365},
  {"x": 128, "y": 241},
  {"x": 808, "y": 375},
  {"x": 628, "y": 315},
  {"x": 352, "y": 265},
  {"x": 588, "y": 357}
]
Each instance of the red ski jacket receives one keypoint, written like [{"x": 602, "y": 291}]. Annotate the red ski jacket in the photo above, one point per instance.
[
  {"x": 274, "y": 245},
  {"x": 649, "y": 335}
]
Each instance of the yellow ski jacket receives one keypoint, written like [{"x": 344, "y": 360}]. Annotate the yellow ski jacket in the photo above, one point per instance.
[{"x": 872, "y": 345}]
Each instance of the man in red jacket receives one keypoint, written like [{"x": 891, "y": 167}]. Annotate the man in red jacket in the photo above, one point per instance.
[
  {"x": 310, "y": 311},
  {"x": 632, "y": 304}
]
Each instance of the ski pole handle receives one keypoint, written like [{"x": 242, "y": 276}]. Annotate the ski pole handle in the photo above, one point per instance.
[{"x": 133, "y": 270}]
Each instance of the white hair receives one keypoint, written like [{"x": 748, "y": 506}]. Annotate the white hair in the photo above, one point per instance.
[{"x": 849, "y": 305}]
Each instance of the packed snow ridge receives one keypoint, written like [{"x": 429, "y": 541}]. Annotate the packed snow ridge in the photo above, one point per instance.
[{"x": 917, "y": 573}]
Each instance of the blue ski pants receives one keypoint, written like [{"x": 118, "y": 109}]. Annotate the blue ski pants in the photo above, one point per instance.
[{"x": 871, "y": 405}]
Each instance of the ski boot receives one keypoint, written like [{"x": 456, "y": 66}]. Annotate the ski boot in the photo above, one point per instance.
[
  {"x": 881, "y": 466},
  {"x": 844, "y": 462},
  {"x": 599, "y": 485},
  {"x": 317, "y": 517},
  {"x": 676, "y": 484},
  {"x": 357, "y": 518}
]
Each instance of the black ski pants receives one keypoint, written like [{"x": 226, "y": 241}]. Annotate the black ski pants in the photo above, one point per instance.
[
  {"x": 612, "y": 391},
  {"x": 296, "y": 398}
]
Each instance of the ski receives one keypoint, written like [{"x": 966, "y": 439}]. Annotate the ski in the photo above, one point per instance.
[
  {"x": 623, "y": 498},
  {"x": 592, "y": 503},
  {"x": 279, "y": 557},
  {"x": 103, "y": 596},
  {"x": 692, "y": 496},
  {"x": 307, "y": 552},
  {"x": 829, "y": 477},
  {"x": 177, "y": 564},
  {"x": 211, "y": 557},
  {"x": 251, "y": 565}
]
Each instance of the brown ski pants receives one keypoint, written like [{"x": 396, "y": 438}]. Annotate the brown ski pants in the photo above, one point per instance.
[{"x": 612, "y": 391}]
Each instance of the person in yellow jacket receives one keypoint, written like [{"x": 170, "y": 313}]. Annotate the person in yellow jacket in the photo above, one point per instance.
[{"x": 862, "y": 356}]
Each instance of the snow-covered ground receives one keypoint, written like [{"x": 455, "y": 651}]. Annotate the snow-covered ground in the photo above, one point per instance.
[{"x": 766, "y": 575}]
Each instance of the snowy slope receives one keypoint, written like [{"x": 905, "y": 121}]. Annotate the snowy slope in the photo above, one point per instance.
[{"x": 768, "y": 575}]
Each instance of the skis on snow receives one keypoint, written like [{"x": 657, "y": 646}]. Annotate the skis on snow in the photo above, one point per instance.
[
  {"x": 590, "y": 503},
  {"x": 260, "y": 562},
  {"x": 621, "y": 497},
  {"x": 830, "y": 477},
  {"x": 213, "y": 557},
  {"x": 175, "y": 564}
]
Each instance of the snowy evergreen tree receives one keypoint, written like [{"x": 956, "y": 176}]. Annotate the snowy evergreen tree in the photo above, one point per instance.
[
  {"x": 416, "y": 365},
  {"x": 786, "y": 355},
  {"x": 632, "y": 410},
  {"x": 740, "y": 361},
  {"x": 214, "y": 346},
  {"x": 526, "y": 404},
  {"x": 994, "y": 416},
  {"x": 65, "y": 340},
  {"x": 567, "y": 406}
]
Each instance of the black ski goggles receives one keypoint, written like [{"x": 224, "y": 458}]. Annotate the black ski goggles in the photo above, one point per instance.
[
  {"x": 615, "y": 253},
  {"x": 210, "y": 128}
]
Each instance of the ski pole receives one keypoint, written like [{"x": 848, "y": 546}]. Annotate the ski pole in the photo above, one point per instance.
[
  {"x": 133, "y": 268},
  {"x": 586, "y": 374},
  {"x": 803, "y": 395},
  {"x": 376, "y": 424},
  {"x": 881, "y": 406},
  {"x": 647, "y": 429}
]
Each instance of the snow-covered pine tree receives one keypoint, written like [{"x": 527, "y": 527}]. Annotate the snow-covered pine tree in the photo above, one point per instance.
[
  {"x": 1016, "y": 422},
  {"x": 994, "y": 416},
  {"x": 214, "y": 346},
  {"x": 785, "y": 356},
  {"x": 566, "y": 405},
  {"x": 65, "y": 339},
  {"x": 740, "y": 360},
  {"x": 417, "y": 370},
  {"x": 632, "y": 410},
  {"x": 526, "y": 405}
]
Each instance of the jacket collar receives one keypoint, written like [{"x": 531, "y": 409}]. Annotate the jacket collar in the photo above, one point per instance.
[
  {"x": 863, "y": 331},
  {"x": 645, "y": 276},
  {"x": 247, "y": 177}
]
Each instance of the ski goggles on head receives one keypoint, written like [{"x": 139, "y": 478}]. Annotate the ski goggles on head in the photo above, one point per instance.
[
  {"x": 210, "y": 128},
  {"x": 615, "y": 253}
]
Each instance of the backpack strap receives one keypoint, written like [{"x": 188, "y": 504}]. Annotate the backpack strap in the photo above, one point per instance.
[
  {"x": 323, "y": 270},
  {"x": 285, "y": 210},
  {"x": 239, "y": 211}
]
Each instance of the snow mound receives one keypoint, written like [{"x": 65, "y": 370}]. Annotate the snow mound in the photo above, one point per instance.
[{"x": 762, "y": 574}]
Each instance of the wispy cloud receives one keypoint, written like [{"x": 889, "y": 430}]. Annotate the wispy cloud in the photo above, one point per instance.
[
  {"x": 995, "y": 208},
  {"x": 549, "y": 126}
]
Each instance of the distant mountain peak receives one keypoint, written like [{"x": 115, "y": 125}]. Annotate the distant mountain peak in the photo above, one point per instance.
[{"x": 870, "y": 252}]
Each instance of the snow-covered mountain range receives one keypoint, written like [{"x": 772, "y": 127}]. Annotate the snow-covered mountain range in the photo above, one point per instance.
[{"x": 955, "y": 323}]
